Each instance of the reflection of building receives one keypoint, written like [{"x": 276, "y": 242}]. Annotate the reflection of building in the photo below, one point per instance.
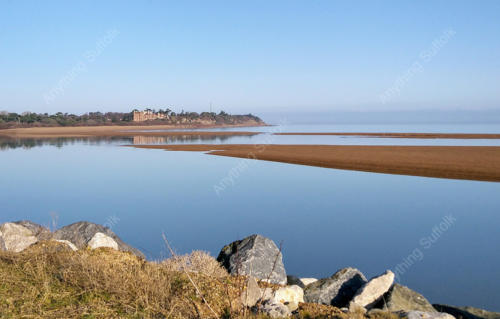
[
  {"x": 141, "y": 140},
  {"x": 140, "y": 116}
]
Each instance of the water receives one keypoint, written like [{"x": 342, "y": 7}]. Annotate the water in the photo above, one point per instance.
[
  {"x": 269, "y": 138},
  {"x": 326, "y": 218}
]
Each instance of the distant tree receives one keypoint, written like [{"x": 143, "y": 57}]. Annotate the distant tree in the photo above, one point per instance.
[
  {"x": 128, "y": 117},
  {"x": 98, "y": 118}
]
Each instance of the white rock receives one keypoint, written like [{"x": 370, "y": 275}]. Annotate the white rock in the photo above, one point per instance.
[
  {"x": 374, "y": 289},
  {"x": 2, "y": 244},
  {"x": 101, "y": 240},
  {"x": 67, "y": 242},
  {"x": 273, "y": 309},
  {"x": 16, "y": 238},
  {"x": 252, "y": 294},
  {"x": 267, "y": 293},
  {"x": 425, "y": 315},
  {"x": 307, "y": 281},
  {"x": 289, "y": 294},
  {"x": 292, "y": 305}
]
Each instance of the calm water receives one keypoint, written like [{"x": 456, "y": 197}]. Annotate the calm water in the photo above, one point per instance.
[{"x": 326, "y": 218}]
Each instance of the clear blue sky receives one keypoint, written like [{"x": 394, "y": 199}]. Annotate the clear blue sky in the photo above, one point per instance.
[{"x": 248, "y": 56}]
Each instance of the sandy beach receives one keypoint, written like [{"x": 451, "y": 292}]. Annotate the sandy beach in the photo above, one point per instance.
[
  {"x": 406, "y": 135},
  {"x": 455, "y": 162},
  {"x": 143, "y": 130}
]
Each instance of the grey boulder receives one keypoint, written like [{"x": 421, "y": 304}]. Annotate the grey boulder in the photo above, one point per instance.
[
  {"x": 467, "y": 312},
  {"x": 293, "y": 280},
  {"x": 40, "y": 232},
  {"x": 337, "y": 290},
  {"x": 402, "y": 298},
  {"x": 255, "y": 256},
  {"x": 16, "y": 238},
  {"x": 81, "y": 234}
]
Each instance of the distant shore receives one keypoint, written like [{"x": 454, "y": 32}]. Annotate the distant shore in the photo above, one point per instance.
[
  {"x": 406, "y": 135},
  {"x": 480, "y": 163},
  {"x": 143, "y": 130}
]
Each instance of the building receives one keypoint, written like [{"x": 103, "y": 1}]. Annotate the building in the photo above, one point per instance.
[{"x": 141, "y": 116}]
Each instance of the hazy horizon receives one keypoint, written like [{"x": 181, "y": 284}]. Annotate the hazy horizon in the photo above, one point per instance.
[{"x": 243, "y": 57}]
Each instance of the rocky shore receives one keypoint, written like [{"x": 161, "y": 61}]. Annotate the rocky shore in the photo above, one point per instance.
[{"x": 257, "y": 261}]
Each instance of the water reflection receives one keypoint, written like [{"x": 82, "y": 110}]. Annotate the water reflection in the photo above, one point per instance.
[
  {"x": 179, "y": 139},
  {"x": 28, "y": 143}
]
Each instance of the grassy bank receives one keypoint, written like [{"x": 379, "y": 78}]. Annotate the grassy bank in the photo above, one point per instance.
[{"x": 48, "y": 280}]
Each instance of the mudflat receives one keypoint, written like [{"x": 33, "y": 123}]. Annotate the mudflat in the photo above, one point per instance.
[
  {"x": 405, "y": 135},
  {"x": 135, "y": 130},
  {"x": 456, "y": 162}
]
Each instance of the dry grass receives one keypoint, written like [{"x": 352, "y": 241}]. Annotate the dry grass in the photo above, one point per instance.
[
  {"x": 383, "y": 315},
  {"x": 196, "y": 262},
  {"x": 50, "y": 281}
]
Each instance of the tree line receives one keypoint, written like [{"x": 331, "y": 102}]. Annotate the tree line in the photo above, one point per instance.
[{"x": 29, "y": 119}]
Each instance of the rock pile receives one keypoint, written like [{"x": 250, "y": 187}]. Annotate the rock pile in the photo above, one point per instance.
[
  {"x": 348, "y": 288},
  {"x": 260, "y": 260},
  {"x": 17, "y": 236}
]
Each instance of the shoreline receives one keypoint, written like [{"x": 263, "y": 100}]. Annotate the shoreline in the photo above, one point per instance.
[
  {"x": 67, "y": 257},
  {"x": 404, "y": 135},
  {"x": 479, "y": 163},
  {"x": 143, "y": 130},
  {"x": 92, "y": 131}
]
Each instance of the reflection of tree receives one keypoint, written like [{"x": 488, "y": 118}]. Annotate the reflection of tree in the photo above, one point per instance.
[{"x": 27, "y": 143}]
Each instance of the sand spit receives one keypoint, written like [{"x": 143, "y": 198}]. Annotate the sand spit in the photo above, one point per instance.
[
  {"x": 88, "y": 131},
  {"x": 455, "y": 162},
  {"x": 406, "y": 135}
]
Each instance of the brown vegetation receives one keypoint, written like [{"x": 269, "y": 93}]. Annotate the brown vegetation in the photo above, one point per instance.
[
  {"x": 49, "y": 280},
  {"x": 52, "y": 282},
  {"x": 456, "y": 162},
  {"x": 197, "y": 262}
]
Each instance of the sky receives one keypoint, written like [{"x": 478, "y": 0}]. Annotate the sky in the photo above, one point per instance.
[{"x": 250, "y": 56}]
